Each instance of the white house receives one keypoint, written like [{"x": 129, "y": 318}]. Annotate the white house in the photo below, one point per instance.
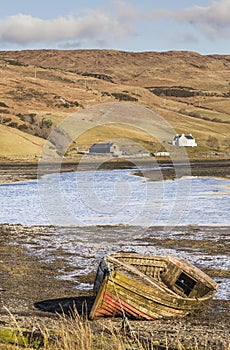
[{"x": 184, "y": 140}]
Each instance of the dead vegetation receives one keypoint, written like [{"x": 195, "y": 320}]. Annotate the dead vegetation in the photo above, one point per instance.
[{"x": 188, "y": 90}]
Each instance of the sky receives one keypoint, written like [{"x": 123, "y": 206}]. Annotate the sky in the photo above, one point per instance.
[{"x": 127, "y": 25}]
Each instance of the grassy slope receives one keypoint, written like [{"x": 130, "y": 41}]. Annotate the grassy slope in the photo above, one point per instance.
[
  {"x": 33, "y": 81},
  {"x": 140, "y": 69},
  {"x": 16, "y": 144}
]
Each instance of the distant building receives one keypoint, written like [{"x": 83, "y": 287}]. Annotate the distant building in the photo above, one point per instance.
[
  {"x": 184, "y": 140},
  {"x": 105, "y": 148},
  {"x": 161, "y": 154}
]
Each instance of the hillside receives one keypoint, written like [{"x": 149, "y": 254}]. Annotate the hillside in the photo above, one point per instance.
[
  {"x": 16, "y": 144},
  {"x": 40, "y": 88}
]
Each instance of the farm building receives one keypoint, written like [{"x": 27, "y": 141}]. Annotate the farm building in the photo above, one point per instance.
[
  {"x": 105, "y": 148},
  {"x": 184, "y": 140},
  {"x": 161, "y": 154}
]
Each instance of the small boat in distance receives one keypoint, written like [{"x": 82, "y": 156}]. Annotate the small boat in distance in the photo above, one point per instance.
[{"x": 149, "y": 287}]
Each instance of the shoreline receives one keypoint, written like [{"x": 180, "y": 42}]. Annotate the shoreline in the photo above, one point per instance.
[{"x": 154, "y": 171}]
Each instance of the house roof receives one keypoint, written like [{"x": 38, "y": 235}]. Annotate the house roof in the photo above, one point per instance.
[{"x": 188, "y": 136}]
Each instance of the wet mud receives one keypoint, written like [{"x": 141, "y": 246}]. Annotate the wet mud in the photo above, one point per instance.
[{"x": 31, "y": 293}]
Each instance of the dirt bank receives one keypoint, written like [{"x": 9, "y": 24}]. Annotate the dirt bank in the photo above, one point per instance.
[{"x": 31, "y": 293}]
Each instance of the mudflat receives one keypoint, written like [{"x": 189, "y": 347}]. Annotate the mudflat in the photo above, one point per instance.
[{"x": 31, "y": 294}]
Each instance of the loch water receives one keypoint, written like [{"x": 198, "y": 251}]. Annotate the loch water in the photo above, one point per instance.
[{"x": 115, "y": 197}]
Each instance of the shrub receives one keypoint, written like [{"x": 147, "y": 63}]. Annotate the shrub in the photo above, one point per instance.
[
  {"x": 4, "y": 111},
  {"x": 4, "y": 120},
  {"x": 105, "y": 93},
  {"x": 2, "y": 104},
  {"x": 30, "y": 117},
  {"x": 17, "y": 63},
  {"x": 20, "y": 116},
  {"x": 194, "y": 114},
  {"x": 123, "y": 97},
  {"x": 173, "y": 91},
  {"x": 191, "y": 114},
  {"x": 46, "y": 122},
  {"x": 13, "y": 125},
  {"x": 23, "y": 127}
]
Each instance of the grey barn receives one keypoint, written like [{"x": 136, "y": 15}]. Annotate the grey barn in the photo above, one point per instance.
[{"x": 105, "y": 148}]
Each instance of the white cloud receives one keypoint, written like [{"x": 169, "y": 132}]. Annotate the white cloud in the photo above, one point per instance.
[
  {"x": 95, "y": 27},
  {"x": 212, "y": 20},
  {"x": 126, "y": 11},
  {"x": 119, "y": 21},
  {"x": 129, "y": 13}
]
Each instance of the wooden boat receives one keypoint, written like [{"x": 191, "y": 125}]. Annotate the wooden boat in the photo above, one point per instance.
[{"x": 149, "y": 287}]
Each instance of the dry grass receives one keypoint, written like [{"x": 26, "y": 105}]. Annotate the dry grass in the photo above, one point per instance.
[
  {"x": 71, "y": 333},
  {"x": 78, "y": 333},
  {"x": 32, "y": 81},
  {"x": 120, "y": 133},
  {"x": 16, "y": 144},
  {"x": 220, "y": 105}
]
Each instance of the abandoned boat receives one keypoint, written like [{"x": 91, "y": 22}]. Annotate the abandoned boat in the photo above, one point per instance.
[{"x": 149, "y": 287}]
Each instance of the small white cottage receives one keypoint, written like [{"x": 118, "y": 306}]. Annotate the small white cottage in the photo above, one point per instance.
[{"x": 184, "y": 140}]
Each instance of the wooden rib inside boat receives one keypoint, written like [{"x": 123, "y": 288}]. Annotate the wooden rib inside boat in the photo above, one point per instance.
[{"x": 149, "y": 287}]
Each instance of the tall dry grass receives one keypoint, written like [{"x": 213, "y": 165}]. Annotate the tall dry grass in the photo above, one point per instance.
[{"x": 78, "y": 333}]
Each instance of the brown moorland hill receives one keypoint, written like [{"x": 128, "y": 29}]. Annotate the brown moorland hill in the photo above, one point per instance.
[
  {"x": 40, "y": 88},
  {"x": 172, "y": 68}
]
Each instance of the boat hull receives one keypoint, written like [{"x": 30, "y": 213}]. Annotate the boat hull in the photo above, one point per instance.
[{"x": 123, "y": 289}]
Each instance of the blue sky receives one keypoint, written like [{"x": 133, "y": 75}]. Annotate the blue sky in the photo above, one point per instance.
[{"x": 132, "y": 25}]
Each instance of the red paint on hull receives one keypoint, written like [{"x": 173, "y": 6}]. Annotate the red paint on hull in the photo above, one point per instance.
[{"x": 111, "y": 306}]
